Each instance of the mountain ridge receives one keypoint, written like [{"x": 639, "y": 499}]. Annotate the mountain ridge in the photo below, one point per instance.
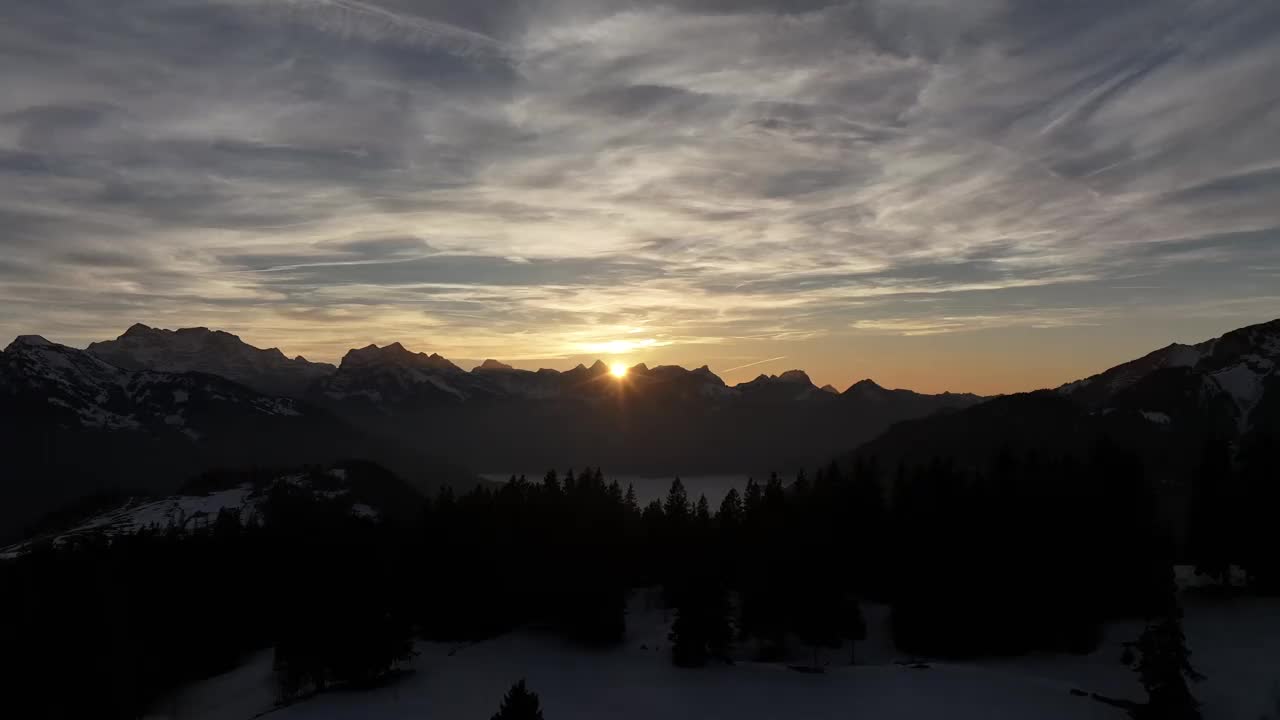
[
  {"x": 1167, "y": 405},
  {"x": 73, "y": 424},
  {"x": 218, "y": 352}
]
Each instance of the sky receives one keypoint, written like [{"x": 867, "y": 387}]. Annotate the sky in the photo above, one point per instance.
[{"x": 984, "y": 196}]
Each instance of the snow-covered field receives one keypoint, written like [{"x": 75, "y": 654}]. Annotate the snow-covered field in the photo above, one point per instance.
[
  {"x": 1235, "y": 643},
  {"x": 185, "y": 512}
]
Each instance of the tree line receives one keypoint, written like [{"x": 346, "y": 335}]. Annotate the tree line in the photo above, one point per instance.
[{"x": 1026, "y": 553}]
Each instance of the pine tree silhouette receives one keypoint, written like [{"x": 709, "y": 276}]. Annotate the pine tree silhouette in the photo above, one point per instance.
[
  {"x": 1162, "y": 661},
  {"x": 519, "y": 704}
]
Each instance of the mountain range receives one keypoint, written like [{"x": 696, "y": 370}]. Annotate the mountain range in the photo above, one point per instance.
[
  {"x": 1168, "y": 406},
  {"x": 74, "y": 425},
  {"x": 152, "y": 408},
  {"x": 496, "y": 418}
]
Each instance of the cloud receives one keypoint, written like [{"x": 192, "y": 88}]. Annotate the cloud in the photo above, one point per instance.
[{"x": 539, "y": 179}]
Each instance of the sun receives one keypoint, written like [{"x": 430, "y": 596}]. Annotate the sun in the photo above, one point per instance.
[{"x": 619, "y": 370}]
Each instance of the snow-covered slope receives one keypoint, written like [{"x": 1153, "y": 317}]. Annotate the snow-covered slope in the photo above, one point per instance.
[
  {"x": 1236, "y": 645},
  {"x": 1230, "y": 374},
  {"x": 73, "y": 425},
  {"x": 361, "y": 488},
  {"x": 81, "y": 388},
  {"x": 214, "y": 352}
]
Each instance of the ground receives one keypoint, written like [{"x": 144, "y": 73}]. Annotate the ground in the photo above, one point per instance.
[{"x": 1235, "y": 643}]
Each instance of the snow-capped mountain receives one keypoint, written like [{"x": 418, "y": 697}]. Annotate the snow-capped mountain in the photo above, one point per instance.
[
  {"x": 791, "y": 385},
  {"x": 214, "y": 352},
  {"x": 78, "y": 388},
  {"x": 662, "y": 419},
  {"x": 73, "y": 424},
  {"x": 1225, "y": 378},
  {"x": 1166, "y": 406}
]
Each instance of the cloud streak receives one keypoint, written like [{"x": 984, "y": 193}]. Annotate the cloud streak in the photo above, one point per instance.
[{"x": 560, "y": 177}]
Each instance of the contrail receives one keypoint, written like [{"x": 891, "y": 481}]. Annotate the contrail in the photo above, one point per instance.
[{"x": 758, "y": 362}]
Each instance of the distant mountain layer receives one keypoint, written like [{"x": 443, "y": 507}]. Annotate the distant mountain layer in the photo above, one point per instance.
[
  {"x": 72, "y": 424},
  {"x": 214, "y": 352},
  {"x": 1166, "y": 405},
  {"x": 660, "y": 420},
  {"x": 495, "y": 418}
]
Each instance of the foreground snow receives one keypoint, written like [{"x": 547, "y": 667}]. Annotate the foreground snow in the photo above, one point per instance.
[{"x": 1236, "y": 644}]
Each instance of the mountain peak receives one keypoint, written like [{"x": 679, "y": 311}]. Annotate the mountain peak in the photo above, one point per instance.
[
  {"x": 492, "y": 364},
  {"x": 138, "y": 329},
  {"x": 829, "y": 388},
  {"x": 29, "y": 341},
  {"x": 394, "y": 355},
  {"x": 795, "y": 376}
]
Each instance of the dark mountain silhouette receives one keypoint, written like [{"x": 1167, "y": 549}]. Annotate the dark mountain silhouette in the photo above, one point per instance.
[
  {"x": 1166, "y": 406},
  {"x": 214, "y": 352},
  {"x": 73, "y": 425},
  {"x": 664, "y": 419}
]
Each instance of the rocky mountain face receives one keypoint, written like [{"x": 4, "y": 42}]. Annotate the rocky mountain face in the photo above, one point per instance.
[
  {"x": 146, "y": 411},
  {"x": 665, "y": 419},
  {"x": 213, "y": 352},
  {"x": 1166, "y": 405},
  {"x": 73, "y": 424},
  {"x": 496, "y": 418}
]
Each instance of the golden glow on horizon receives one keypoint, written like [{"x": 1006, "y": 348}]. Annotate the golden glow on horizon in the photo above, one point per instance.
[{"x": 619, "y": 370}]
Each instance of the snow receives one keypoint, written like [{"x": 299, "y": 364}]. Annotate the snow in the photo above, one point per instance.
[
  {"x": 1181, "y": 356},
  {"x": 1234, "y": 643},
  {"x": 1243, "y": 384},
  {"x": 185, "y": 511},
  {"x": 277, "y": 406},
  {"x": 443, "y": 386},
  {"x": 1156, "y": 417},
  {"x": 94, "y": 416},
  {"x": 32, "y": 340}
]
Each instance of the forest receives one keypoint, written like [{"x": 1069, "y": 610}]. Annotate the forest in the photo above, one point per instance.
[{"x": 1029, "y": 553}]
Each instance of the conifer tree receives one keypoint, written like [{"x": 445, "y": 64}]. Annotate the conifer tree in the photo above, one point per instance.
[
  {"x": 677, "y": 506},
  {"x": 752, "y": 500},
  {"x": 1213, "y": 521},
  {"x": 688, "y": 638},
  {"x": 519, "y": 704},
  {"x": 702, "y": 514},
  {"x": 730, "y": 515},
  {"x": 853, "y": 627},
  {"x": 1162, "y": 661},
  {"x": 551, "y": 484}
]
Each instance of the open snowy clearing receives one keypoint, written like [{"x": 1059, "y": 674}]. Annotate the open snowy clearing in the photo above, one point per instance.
[{"x": 1235, "y": 643}]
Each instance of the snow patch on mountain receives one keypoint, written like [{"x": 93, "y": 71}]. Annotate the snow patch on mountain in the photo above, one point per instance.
[
  {"x": 1156, "y": 417},
  {"x": 1243, "y": 384},
  {"x": 183, "y": 512},
  {"x": 210, "y": 351},
  {"x": 190, "y": 512},
  {"x": 1181, "y": 356}
]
